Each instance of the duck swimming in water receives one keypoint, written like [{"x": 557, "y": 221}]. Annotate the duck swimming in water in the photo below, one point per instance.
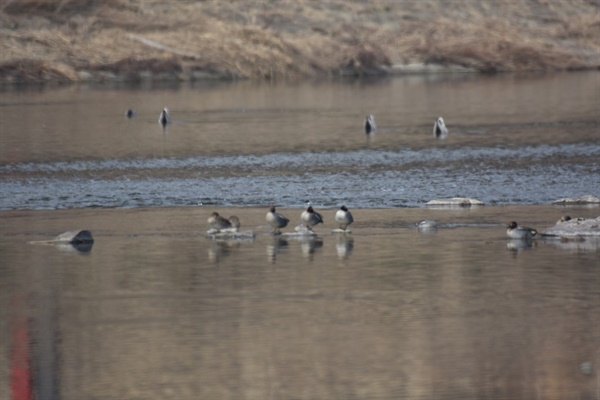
[
  {"x": 369, "y": 124},
  {"x": 427, "y": 224},
  {"x": 343, "y": 217},
  {"x": 130, "y": 113},
  {"x": 276, "y": 220},
  {"x": 310, "y": 217},
  {"x": 164, "y": 119},
  {"x": 439, "y": 128},
  {"x": 515, "y": 231},
  {"x": 215, "y": 221}
]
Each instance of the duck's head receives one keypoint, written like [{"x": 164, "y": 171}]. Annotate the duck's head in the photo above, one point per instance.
[{"x": 512, "y": 225}]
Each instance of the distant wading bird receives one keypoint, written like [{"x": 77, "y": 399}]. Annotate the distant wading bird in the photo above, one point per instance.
[
  {"x": 276, "y": 220},
  {"x": 343, "y": 217},
  {"x": 311, "y": 218},
  {"x": 517, "y": 232},
  {"x": 369, "y": 124},
  {"x": 439, "y": 128},
  {"x": 164, "y": 119}
]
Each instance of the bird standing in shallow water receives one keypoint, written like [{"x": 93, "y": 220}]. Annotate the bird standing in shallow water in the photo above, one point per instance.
[
  {"x": 515, "y": 231},
  {"x": 343, "y": 217},
  {"x": 439, "y": 128},
  {"x": 369, "y": 124},
  {"x": 276, "y": 220},
  {"x": 163, "y": 119},
  {"x": 215, "y": 221},
  {"x": 311, "y": 218}
]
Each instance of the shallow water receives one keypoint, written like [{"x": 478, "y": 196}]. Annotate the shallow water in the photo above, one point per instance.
[
  {"x": 154, "y": 309},
  {"x": 513, "y": 140},
  {"x": 157, "y": 310}
]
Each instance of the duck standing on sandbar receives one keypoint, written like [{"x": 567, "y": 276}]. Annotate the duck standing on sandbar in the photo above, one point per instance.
[
  {"x": 311, "y": 218},
  {"x": 276, "y": 220},
  {"x": 343, "y": 217}
]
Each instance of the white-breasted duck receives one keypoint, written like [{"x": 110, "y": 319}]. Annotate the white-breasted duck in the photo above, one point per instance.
[
  {"x": 515, "y": 231},
  {"x": 310, "y": 217},
  {"x": 439, "y": 128},
  {"x": 343, "y": 217},
  {"x": 276, "y": 220}
]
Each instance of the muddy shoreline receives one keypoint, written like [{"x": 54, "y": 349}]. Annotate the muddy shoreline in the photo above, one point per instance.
[{"x": 123, "y": 40}]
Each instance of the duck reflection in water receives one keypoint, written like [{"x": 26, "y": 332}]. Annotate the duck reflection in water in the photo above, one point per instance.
[
  {"x": 309, "y": 245},
  {"x": 221, "y": 249},
  {"x": 275, "y": 247},
  {"x": 344, "y": 246},
  {"x": 518, "y": 245}
]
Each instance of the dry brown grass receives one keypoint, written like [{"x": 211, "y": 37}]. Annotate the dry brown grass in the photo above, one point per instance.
[{"x": 291, "y": 40}]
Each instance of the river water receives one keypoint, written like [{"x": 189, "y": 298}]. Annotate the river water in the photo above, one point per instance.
[{"x": 155, "y": 309}]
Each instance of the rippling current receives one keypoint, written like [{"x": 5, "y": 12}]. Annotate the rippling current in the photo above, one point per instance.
[{"x": 246, "y": 145}]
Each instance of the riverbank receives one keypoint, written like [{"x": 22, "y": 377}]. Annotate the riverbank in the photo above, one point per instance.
[{"x": 126, "y": 40}]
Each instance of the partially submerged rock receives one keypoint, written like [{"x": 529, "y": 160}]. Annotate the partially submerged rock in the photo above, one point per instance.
[
  {"x": 585, "y": 199},
  {"x": 456, "y": 201},
  {"x": 575, "y": 227},
  {"x": 81, "y": 241},
  {"x": 74, "y": 237}
]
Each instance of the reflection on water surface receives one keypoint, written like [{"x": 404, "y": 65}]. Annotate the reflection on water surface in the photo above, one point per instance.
[{"x": 157, "y": 310}]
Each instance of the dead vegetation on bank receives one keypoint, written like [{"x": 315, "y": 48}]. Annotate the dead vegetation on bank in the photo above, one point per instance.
[{"x": 73, "y": 40}]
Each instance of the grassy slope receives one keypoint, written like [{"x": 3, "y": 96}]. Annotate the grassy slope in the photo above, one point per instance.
[{"x": 84, "y": 39}]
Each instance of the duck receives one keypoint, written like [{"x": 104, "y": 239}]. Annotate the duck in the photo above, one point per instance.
[
  {"x": 564, "y": 218},
  {"x": 439, "y": 128},
  {"x": 276, "y": 220},
  {"x": 130, "y": 113},
  {"x": 427, "y": 224},
  {"x": 369, "y": 124},
  {"x": 164, "y": 119},
  {"x": 515, "y": 231},
  {"x": 311, "y": 218},
  {"x": 235, "y": 223},
  {"x": 343, "y": 217},
  {"x": 215, "y": 221}
]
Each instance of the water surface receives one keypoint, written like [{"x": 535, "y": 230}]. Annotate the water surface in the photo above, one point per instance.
[
  {"x": 156, "y": 310},
  {"x": 513, "y": 140}
]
